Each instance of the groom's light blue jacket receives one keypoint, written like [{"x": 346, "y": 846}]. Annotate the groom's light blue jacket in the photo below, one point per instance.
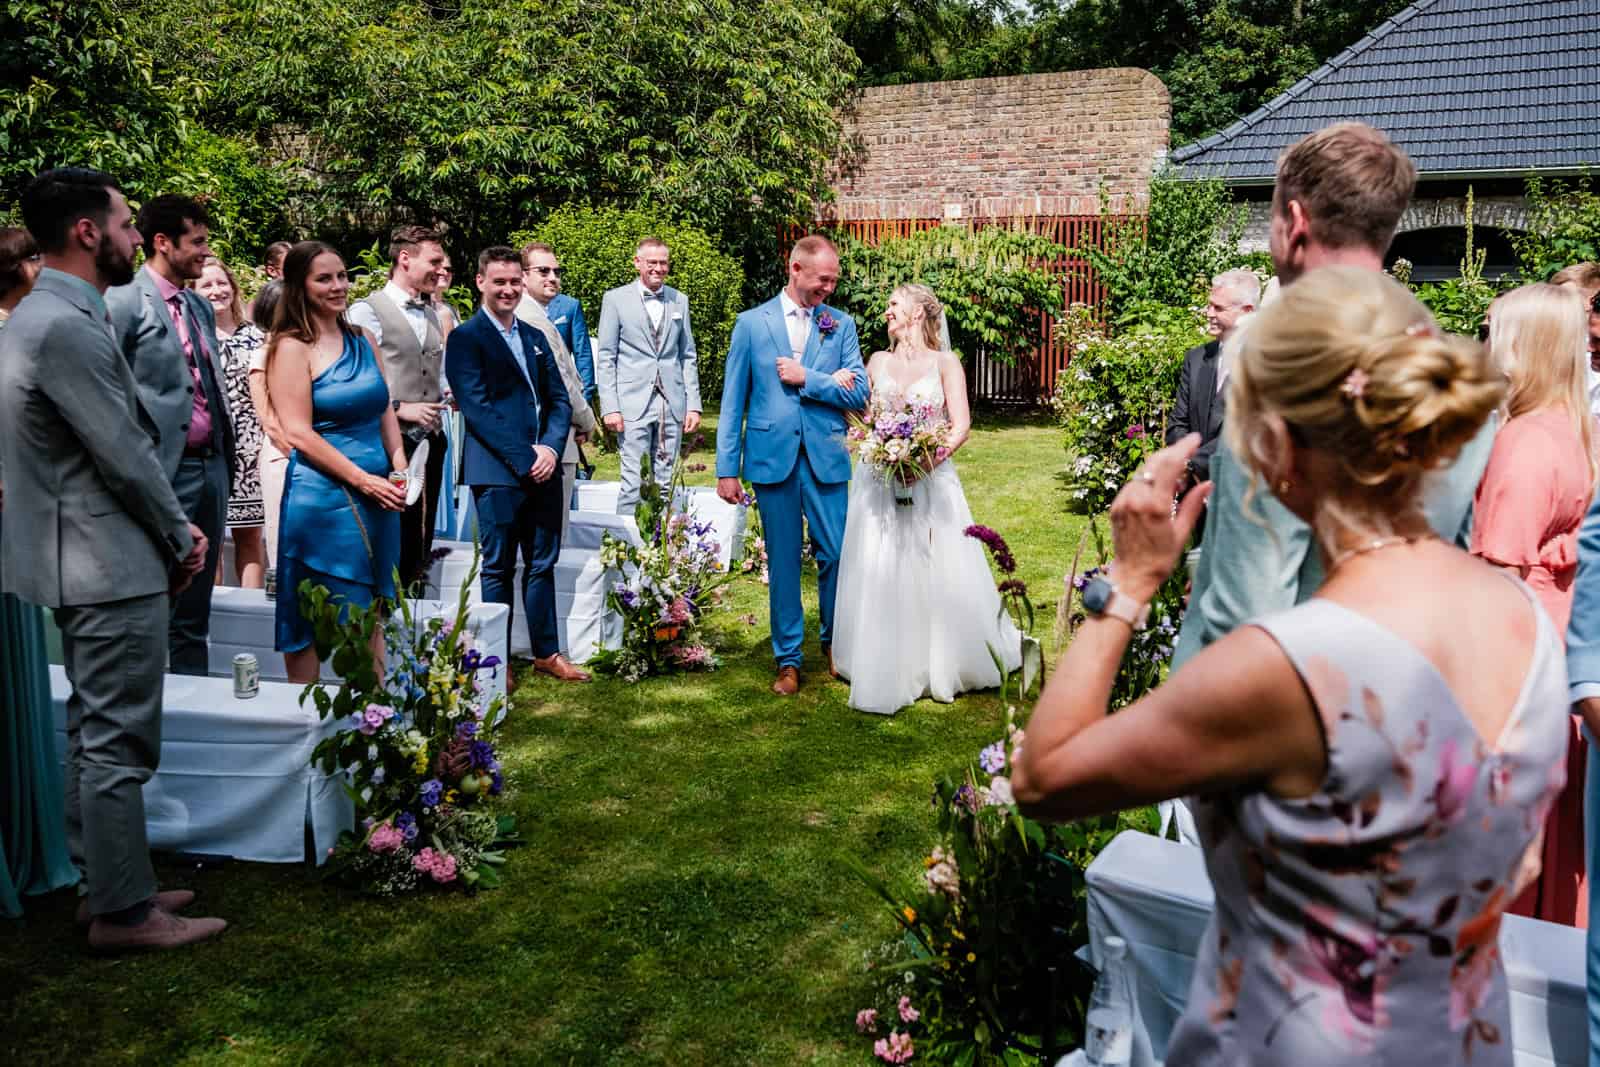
[{"x": 764, "y": 422}]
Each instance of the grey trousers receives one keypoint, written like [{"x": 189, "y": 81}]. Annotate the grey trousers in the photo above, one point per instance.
[
  {"x": 114, "y": 655},
  {"x": 569, "y": 485},
  {"x": 658, "y": 432},
  {"x": 202, "y": 488}
]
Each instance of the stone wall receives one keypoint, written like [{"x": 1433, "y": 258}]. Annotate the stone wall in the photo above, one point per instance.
[
  {"x": 1041, "y": 144},
  {"x": 1426, "y": 212}
]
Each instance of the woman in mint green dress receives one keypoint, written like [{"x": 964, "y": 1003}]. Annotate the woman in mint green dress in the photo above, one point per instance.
[{"x": 33, "y": 825}]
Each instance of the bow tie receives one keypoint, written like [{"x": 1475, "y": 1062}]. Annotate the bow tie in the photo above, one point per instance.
[
  {"x": 418, "y": 305},
  {"x": 659, "y": 294}
]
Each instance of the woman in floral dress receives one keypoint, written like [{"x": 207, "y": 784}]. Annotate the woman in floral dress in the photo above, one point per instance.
[
  {"x": 1371, "y": 769},
  {"x": 239, "y": 340}
]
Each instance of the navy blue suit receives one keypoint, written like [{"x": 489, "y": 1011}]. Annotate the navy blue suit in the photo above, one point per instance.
[{"x": 504, "y": 420}]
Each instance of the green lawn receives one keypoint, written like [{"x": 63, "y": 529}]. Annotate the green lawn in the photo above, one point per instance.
[{"x": 679, "y": 900}]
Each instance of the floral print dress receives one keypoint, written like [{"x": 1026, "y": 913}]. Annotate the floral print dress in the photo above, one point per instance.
[
  {"x": 245, "y": 508},
  {"x": 1361, "y": 924}
]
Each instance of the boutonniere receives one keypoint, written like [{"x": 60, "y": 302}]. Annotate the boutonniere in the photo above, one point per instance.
[{"x": 826, "y": 323}]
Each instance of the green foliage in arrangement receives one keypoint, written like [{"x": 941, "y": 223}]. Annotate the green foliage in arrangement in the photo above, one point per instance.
[
  {"x": 992, "y": 281},
  {"x": 1113, "y": 399},
  {"x": 1563, "y": 227},
  {"x": 1459, "y": 304},
  {"x": 596, "y": 247},
  {"x": 484, "y": 113},
  {"x": 1189, "y": 235}
]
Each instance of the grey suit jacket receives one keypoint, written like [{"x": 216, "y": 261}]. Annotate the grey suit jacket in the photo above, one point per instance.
[
  {"x": 629, "y": 357},
  {"x": 149, "y": 342},
  {"x": 89, "y": 516}
]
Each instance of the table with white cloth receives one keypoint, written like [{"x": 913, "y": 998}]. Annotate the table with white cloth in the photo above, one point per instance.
[
  {"x": 727, "y": 520},
  {"x": 235, "y": 776},
  {"x": 1156, "y": 895},
  {"x": 584, "y": 622}
]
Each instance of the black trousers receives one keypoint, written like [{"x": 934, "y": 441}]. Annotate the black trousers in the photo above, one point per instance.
[{"x": 416, "y": 522}]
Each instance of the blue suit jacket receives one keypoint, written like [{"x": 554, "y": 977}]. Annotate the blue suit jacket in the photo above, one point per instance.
[
  {"x": 567, "y": 315},
  {"x": 1583, "y": 630},
  {"x": 764, "y": 422},
  {"x": 497, "y": 407}
]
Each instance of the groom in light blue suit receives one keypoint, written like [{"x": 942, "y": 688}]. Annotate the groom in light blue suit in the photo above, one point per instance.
[
  {"x": 1583, "y": 676},
  {"x": 794, "y": 369}
]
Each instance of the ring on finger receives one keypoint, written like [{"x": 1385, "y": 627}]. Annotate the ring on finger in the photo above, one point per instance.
[{"x": 1147, "y": 478}]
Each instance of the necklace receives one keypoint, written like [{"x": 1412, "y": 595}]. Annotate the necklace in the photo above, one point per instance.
[{"x": 1371, "y": 546}]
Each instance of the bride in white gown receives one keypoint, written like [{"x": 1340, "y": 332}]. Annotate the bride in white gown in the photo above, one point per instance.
[{"x": 917, "y": 611}]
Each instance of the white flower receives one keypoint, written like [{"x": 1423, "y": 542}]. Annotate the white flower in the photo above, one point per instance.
[
  {"x": 372, "y": 751},
  {"x": 1000, "y": 791}
]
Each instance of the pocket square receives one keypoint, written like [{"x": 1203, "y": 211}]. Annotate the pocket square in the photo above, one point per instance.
[
  {"x": 558, "y": 321},
  {"x": 677, "y": 314}
]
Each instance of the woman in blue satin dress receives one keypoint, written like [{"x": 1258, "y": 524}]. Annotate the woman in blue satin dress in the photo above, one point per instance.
[{"x": 340, "y": 525}]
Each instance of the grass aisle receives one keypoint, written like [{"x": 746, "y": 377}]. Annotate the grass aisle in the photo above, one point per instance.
[{"x": 679, "y": 900}]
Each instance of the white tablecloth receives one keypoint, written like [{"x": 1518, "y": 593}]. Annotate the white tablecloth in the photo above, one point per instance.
[
  {"x": 583, "y": 620},
  {"x": 235, "y": 776},
  {"x": 1155, "y": 894},
  {"x": 727, "y": 520},
  {"x": 242, "y": 620}
]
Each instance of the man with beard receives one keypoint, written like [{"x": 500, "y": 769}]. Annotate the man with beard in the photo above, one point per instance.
[
  {"x": 94, "y": 531},
  {"x": 168, "y": 333}
]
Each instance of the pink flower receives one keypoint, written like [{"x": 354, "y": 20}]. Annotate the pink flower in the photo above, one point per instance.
[
  {"x": 866, "y": 1020},
  {"x": 908, "y": 1014},
  {"x": 385, "y": 838},
  {"x": 440, "y": 866},
  {"x": 424, "y": 860},
  {"x": 374, "y": 717},
  {"x": 680, "y": 611},
  {"x": 896, "y": 1048},
  {"x": 1455, "y": 784}
]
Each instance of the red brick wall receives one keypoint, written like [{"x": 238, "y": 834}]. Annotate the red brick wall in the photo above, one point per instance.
[{"x": 1039, "y": 144}]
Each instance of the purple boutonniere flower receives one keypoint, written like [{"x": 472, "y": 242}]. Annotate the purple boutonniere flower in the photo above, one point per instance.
[{"x": 826, "y": 323}]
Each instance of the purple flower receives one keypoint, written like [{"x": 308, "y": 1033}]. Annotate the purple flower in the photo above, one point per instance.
[
  {"x": 997, "y": 547},
  {"x": 826, "y": 323},
  {"x": 966, "y": 797},
  {"x": 467, "y": 730},
  {"x": 482, "y": 754},
  {"x": 629, "y": 598},
  {"x": 406, "y": 823},
  {"x": 432, "y": 790},
  {"x": 496, "y": 783},
  {"x": 1013, "y": 587},
  {"x": 993, "y": 758},
  {"x": 1134, "y": 432}
]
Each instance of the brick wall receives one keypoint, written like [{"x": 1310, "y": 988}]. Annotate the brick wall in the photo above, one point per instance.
[{"x": 1039, "y": 144}]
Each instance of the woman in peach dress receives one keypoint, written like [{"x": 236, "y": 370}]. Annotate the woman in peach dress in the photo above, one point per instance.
[{"x": 1534, "y": 493}]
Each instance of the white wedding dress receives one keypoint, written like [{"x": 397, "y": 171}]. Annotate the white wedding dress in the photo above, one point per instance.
[{"x": 916, "y": 610}]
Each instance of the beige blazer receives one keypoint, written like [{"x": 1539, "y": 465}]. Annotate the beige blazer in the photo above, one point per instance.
[{"x": 583, "y": 420}]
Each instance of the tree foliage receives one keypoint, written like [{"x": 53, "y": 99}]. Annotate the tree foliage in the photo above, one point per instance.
[
  {"x": 1563, "y": 227},
  {"x": 991, "y": 280}
]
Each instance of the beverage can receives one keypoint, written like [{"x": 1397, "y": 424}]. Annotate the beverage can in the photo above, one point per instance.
[{"x": 246, "y": 676}]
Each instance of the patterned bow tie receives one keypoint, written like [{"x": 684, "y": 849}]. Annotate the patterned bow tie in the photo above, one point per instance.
[{"x": 659, "y": 294}]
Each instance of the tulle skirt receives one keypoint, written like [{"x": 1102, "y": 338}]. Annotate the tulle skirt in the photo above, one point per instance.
[{"x": 917, "y": 612}]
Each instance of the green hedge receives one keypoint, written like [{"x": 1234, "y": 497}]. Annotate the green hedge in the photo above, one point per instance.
[{"x": 596, "y": 247}]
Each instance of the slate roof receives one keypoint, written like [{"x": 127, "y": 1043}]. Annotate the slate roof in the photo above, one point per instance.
[{"x": 1470, "y": 88}]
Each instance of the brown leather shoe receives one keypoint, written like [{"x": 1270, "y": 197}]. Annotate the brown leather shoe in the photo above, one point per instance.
[
  {"x": 170, "y": 901},
  {"x": 160, "y": 930},
  {"x": 788, "y": 683},
  {"x": 833, "y": 672},
  {"x": 558, "y": 666}
]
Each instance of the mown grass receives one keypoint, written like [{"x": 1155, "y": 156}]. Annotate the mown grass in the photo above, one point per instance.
[{"x": 680, "y": 898}]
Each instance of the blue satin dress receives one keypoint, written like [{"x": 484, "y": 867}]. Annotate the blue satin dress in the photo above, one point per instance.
[{"x": 328, "y": 533}]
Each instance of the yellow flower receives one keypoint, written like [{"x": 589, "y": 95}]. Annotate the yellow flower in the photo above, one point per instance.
[
  {"x": 910, "y": 914},
  {"x": 450, "y": 796},
  {"x": 928, "y": 861},
  {"x": 971, "y": 957},
  {"x": 958, "y": 935}
]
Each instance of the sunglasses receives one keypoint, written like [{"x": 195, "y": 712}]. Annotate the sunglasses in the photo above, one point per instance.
[{"x": 543, "y": 272}]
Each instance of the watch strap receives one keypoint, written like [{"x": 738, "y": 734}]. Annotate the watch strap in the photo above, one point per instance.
[{"x": 1122, "y": 606}]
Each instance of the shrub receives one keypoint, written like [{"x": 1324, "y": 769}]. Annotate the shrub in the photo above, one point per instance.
[
  {"x": 991, "y": 280},
  {"x": 1114, "y": 397},
  {"x": 1563, "y": 227},
  {"x": 596, "y": 247}
]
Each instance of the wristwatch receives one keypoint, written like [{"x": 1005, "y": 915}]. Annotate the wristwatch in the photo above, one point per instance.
[
  {"x": 1102, "y": 598},
  {"x": 396, "y": 405}
]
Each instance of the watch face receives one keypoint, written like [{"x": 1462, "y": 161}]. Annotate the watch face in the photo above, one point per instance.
[{"x": 1096, "y": 596}]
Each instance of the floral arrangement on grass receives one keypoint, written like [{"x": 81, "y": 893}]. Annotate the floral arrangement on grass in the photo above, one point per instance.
[
  {"x": 662, "y": 589},
  {"x": 417, "y": 747},
  {"x": 900, "y": 440},
  {"x": 981, "y": 969}
]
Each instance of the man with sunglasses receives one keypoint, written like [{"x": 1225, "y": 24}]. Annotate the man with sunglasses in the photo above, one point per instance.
[
  {"x": 539, "y": 264},
  {"x": 541, "y": 273}
]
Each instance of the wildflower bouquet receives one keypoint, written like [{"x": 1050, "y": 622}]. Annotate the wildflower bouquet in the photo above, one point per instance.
[
  {"x": 417, "y": 748},
  {"x": 662, "y": 589},
  {"x": 901, "y": 440}
]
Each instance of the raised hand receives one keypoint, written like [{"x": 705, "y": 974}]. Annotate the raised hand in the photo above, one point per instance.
[{"x": 1147, "y": 538}]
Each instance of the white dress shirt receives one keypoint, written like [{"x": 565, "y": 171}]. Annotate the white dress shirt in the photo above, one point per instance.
[
  {"x": 654, "y": 305},
  {"x": 362, "y": 315},
  {"x": 798, "y": 322}
]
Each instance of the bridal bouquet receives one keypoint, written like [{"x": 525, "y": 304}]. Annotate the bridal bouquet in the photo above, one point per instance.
[
  {"x": 417, "y": 748},
  {"x": 900, "y": 439}
]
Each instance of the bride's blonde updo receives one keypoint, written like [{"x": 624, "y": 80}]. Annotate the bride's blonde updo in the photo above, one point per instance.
[
  {"x": 1357, "y": 368},
  {"x": 920, "y": 296}
]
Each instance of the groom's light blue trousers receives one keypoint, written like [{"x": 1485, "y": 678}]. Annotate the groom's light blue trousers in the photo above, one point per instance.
[{"x": 823, "y": 504}]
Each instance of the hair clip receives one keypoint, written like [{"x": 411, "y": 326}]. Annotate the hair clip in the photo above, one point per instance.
[{"x": 1355, "y": 384}]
